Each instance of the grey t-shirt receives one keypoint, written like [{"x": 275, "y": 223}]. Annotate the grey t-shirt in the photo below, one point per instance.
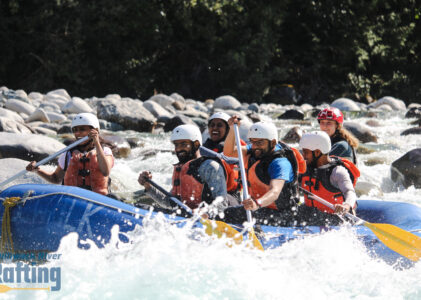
[{"x": 213, "y": 174}]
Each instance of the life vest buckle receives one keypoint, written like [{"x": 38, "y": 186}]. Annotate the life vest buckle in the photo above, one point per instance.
[
  {"x": 84, "y": 159},
  {"x": 84, "y": 172}
]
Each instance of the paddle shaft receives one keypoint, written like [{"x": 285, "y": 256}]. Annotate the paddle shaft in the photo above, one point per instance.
[
  {"x": 330, "y": 205},
  {"x": 45, "y": 160},
  {"x": 242, "y": 170},
  {"x": 172, "y": 198}
]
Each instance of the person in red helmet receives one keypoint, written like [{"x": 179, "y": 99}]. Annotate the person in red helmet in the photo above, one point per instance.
[{"x": 343, "y": 142}]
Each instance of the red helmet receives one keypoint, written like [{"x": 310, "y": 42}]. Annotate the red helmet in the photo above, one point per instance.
[{"x": 331, "y": 113}]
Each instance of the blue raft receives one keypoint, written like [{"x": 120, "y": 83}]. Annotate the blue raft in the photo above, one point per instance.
[{"x": 50, "y": 212}]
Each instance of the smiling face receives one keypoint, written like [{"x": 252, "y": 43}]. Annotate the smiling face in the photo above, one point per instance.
[
  {"x": 328, "y": 126},
  {"x": 217, "y": 130},
  {"x": 184, "y": 150},
  {"x": 260, "y": 147},
  {"x": 81, "y": 131}
]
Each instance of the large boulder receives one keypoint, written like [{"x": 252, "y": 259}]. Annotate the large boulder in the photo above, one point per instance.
[
  {"x": 9, "y": 114},
  {"x": 162, "y": 100},
  {"x": 293, "y": 135},
  {"x": 361, "y": 132},
  {"x": 11, "y": 166},
  {"x": 407, "y": 169},
  {"x": 394, "y": 103},
  {"x": 415, "y": 130},
  {"x": 345, "y": 104},
  {"x": 27, "y": 146},
  {"x": 292, "y": 114},
  {"x": 19, "y": 106},
  {"x": 38, "y": 115},
  {"x": 156, "y": 109},
  {"x": 414, "y": 112},
  {"x": 177, "y": 120},
  {"x": 128, "y": 113},
  {"x": 8, "y": 125},
  {"x": 226, "y": 102},
  {"x": 121, "y": 147},
  {"x": 76, "y": 106}
]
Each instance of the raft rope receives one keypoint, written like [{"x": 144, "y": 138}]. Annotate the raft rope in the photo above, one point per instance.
[{"x": 6, "y": 242}]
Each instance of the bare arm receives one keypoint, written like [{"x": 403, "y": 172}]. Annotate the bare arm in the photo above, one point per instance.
[
  {"x": 230, "y": 148},
  {"x": 53, "y": 177},
  {"x": 271, "y": 196},
  {"x": 104, "y": 161}
]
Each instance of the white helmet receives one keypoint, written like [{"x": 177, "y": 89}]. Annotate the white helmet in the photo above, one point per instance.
[
  {"x": 318, "y": 140},
  {"x": 263, "y": 130},
  {"x": 85, "y": 119},
  {"x": 186, "y": 132},
  {"x": 220, "y": 115}
]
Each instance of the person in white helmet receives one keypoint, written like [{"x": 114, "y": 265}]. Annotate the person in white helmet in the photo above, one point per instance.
[
  {"x": 329, "y": 177},
  {"x": 218, "y": 129},
  {"x": 196, "y": 178},
  {"x": 88, "y": 165},
  {"x": 271, "y": 178}
]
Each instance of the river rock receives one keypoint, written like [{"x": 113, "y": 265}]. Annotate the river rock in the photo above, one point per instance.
[
  {"x": 384, "y": 107},
  {"x": 38, "y": 115},
  {"x": 226, "y": 102},
  {"x": 121, "y": 148},
  {"x": 111, "y": 126},
  {"x": 56, "y": 99},
  {"x": 56, "y": 117},
  {"x": 130, "y": 114},
  {"x": 62, "y": 93},
  {"x": 162, "y": 100},
  {"x": 27, "y": 146},
  {"x": 407, "y": 169},
  {"x": 156, "y": 109},
  {"x": 22, "y": 95},
  {"x": 9, "y": 114},
  {"x": 254, "y": 107},
  {"x": 8, "y": 125},
  {"x": 394, "y": 103},
  {"x": 292, "y": 114},
  {"x": 415, "y": 130},
  {"x": 36, "y": 96},
  {"x": 76, "y": 106},
  {"x": 414, "y": 112},
  {"x": 50, "y": 106},
  {"x": 177, "y": 120},
  {"x": 19, "y": 106},
  {"x": 11, "y": 166},
  {"x": 293, "y": 135},
  {"x": 193, "y": 113},
  {"x": 345, "y": 104},
  {"x": 44, "y": 131},
  {"x": 361, "y": 132},
  {"x": 373, "y": 123}
]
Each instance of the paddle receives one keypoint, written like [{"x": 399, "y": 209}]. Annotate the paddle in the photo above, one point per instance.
[
  {"x": 221, "y": 227},
  {"x": 401, "y": 241},
  {"x": 45, "y": 160},
  {"x": 252, "y": 235},
  {"x": 5, "y": 288}
]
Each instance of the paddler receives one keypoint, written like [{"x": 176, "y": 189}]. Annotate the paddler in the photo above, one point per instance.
[
  {"x": 196, "y": 179},
  {"x": 272, "y": 180},
  {"x": 88, "y": 165},
  {"x": 331, "y": 121},
  {"x": 329, "y": 177},
  {"x": 218, "y": 129}
]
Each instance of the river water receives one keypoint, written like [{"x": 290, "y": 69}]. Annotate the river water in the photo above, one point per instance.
[{"x": 162, "y": 262}]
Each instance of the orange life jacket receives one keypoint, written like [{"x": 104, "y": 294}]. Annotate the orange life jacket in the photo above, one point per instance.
[
  {"x": 259, "y": 179},
  {"x": 317, "y": 181},
  {"x": 83, "y": 171},
  {"x": 230, "y": 169},
  {"x": 187, "y": 185}
]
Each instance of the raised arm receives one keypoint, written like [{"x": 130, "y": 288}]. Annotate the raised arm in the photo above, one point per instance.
[{"x": 230, "y": 148}]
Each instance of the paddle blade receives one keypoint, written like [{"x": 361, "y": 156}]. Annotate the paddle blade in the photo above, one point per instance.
[
  {"x": 220, "y": 229},
  {"x": 401, "y": 241},
  {"x": 255, "y": 241}
]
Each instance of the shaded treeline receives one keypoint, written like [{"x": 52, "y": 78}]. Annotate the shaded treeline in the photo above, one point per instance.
[{"x": 204, "y": 49}]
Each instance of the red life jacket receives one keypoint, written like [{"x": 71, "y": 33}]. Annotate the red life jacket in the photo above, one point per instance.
[
  {"x": 83, "y": 171},
  {"x": 259, "y": 179},
  {"x": 187, "y": 185},
  {"x": 230, "y": 169},
  {"x": 317, "y": 181}
]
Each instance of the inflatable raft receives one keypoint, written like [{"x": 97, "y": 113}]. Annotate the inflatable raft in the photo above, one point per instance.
[{"x": 41, "y": 215}]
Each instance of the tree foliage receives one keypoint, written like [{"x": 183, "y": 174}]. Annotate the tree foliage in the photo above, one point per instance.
[{"x": 203, "y": 49}]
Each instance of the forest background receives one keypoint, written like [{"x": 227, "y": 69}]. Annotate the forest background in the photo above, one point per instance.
[{"x": 258, "y": 51}]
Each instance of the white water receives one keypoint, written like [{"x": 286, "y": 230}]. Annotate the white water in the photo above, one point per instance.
[{"x": 162, "y": 262}]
